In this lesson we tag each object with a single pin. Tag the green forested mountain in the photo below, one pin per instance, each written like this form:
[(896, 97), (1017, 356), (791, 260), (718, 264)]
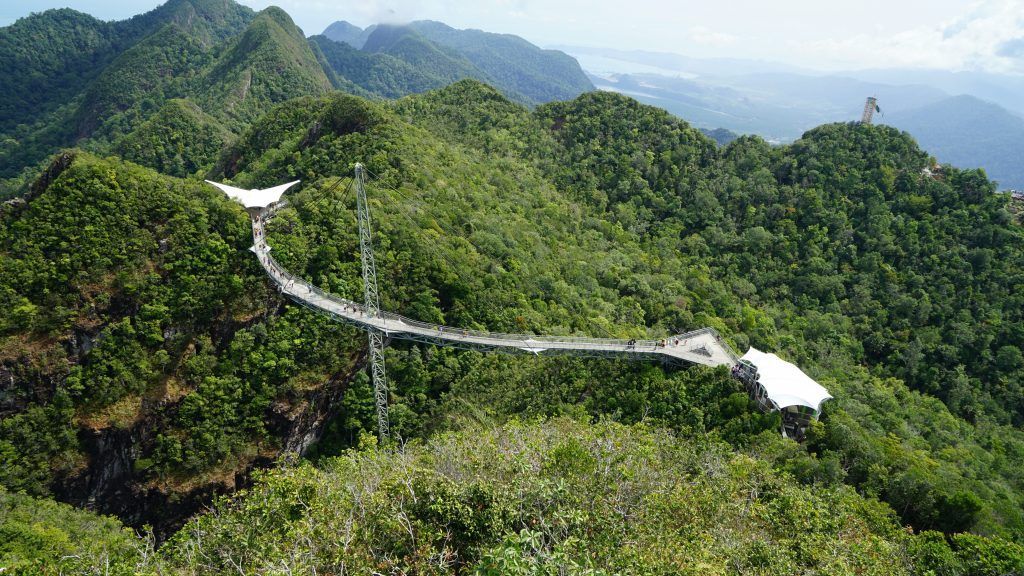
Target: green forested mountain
[(229, 64), (374, 73), (74, 80), (519, 69), (514, 64), (48, 58), (966, 131), (348, 33), (148, 366), (410, 46), (174, 368), (270, 62)]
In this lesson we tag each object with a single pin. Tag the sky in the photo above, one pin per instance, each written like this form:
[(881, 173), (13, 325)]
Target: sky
[(985, 35)]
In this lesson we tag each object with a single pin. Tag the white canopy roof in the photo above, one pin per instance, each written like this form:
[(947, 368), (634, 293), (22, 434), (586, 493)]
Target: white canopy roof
[(786, 384), (255, 198)]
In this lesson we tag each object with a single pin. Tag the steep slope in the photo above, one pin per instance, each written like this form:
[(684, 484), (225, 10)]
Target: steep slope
[(514, 65), (48, 58), (179, 140), (124, 362), (217, 19), (155, 69), (519, 69), (379, 74), (269, 63), (147, 59), (178, 43), (968, 132), (231, 64), (409, 46)]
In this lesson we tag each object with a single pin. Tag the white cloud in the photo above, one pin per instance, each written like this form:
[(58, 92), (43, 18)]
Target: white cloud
[(708, 37), (828, 34), (983, 39)]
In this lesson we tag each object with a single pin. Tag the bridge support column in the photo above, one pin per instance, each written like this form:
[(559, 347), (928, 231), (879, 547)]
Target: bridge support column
[(376, 337), (380, 383)]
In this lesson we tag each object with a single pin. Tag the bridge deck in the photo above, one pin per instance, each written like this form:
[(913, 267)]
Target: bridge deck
[(703, 346)]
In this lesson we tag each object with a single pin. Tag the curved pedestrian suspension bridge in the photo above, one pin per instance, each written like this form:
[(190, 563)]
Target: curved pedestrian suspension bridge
[(704, 346)]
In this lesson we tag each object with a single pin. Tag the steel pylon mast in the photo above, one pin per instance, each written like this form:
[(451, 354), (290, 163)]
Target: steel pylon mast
[(375, 337), (870, 107)]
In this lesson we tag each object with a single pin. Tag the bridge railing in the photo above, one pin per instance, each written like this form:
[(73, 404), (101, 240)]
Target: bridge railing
[(285, 279), (532, 340)]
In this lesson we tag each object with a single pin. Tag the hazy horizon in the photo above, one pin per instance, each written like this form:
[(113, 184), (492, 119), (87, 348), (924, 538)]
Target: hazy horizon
[(952, 35)]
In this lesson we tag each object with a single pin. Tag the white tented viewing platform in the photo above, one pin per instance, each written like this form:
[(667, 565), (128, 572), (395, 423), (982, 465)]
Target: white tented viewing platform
[(779, 385)]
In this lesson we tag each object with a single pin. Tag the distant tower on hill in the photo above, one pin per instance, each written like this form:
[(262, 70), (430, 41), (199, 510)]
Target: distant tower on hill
[(870, 107)]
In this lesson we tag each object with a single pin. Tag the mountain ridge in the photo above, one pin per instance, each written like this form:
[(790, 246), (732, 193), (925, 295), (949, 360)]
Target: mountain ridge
[(520, 69), (213, 389), (230, 62), (148, 368), (967, 131)]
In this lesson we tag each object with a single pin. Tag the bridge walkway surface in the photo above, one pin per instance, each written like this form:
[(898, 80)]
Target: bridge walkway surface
[(704, 346)]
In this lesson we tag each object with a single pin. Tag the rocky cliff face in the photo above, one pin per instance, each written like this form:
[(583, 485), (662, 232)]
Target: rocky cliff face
[(111, 481), (146, 363)]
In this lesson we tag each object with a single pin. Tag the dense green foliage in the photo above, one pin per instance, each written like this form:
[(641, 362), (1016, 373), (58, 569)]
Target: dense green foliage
[(378, 73), (553, 499), (599, 216), (558, 497), (178, 140), (226, 63), (48, 58), (44, 537), (131, 315)]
